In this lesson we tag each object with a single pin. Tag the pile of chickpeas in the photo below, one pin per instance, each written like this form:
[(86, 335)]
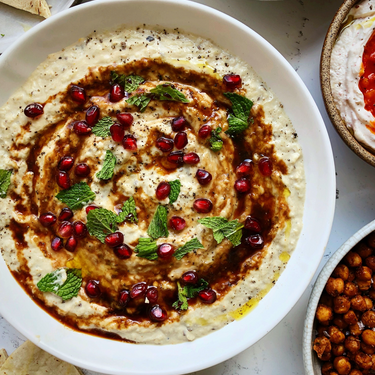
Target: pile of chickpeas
[(345, 315)]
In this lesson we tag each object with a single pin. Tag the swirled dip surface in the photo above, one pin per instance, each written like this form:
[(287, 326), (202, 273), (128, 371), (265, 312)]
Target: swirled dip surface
[(241, 275)]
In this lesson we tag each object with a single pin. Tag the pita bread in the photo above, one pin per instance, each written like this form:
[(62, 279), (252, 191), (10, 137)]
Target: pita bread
[(3, 356), (28, 359), (39, 7)]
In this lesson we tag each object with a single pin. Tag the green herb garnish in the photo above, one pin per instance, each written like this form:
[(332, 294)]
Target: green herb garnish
[(191, 245), (101, 222), (101, 129), (175, 190), (239, 120), (77, 196), (129, 212), (146, 248), (129, 83), (188, 291), (158, 226), (215, 140), (141, 101), (4, 182), (107, 170), (168, 92)]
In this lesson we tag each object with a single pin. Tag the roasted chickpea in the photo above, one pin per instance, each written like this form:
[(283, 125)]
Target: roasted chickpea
[(370, 262), (339, 322), (352, 259), (324, 313), (335, 287), (355, 372), (322, 345), (336, 336), (350, 317), (341, 305), (369, 303), (355, 329), (350, 289), (363, 360), (363, 285), (326, 356), (368, 319), (352, 343), (341, 271), (363, 250), (351, 275), (342, 365), (333, 373), (363, 273), (327, 368), (358, 303), (368, 349), (368, 337), (371, 240), (338, 350)]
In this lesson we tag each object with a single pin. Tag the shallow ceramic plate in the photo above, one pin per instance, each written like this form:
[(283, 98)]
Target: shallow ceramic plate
[(114, 357)]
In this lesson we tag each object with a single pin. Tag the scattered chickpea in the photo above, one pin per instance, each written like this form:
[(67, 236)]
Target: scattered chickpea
[(324, 313), (341, 271), (368, 337), (369, 303), (363, 360), (350, 317), (341, 304), (358, 303), (352, 344), (355, 372), (371, 240), (327, 368), (363, 273), (338, 350), (370, 262), (355, 329), (363, 285), (335, 287), (339, 321), (350, 289), (342, 365), (363, 250), (336, 336), (368, 349), (353, 259), (322, 345)]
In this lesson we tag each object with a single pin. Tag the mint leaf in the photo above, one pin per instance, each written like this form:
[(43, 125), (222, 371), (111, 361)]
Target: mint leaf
[(76, 196), (193, 290), (117, 78), (187, 248), (51, 282), (101, 129), (175, 190), (168, 92), (129, 212), (101, 222), (182, 302), (4, 182), (146, 248), (215, 140), (141, 101), (109, 163), (132, 82), (241, 107), (158, 226)]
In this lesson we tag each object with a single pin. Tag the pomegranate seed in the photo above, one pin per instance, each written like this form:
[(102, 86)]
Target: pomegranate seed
[(78, 94), (63, 180), (124, 297), (65, 214), (202, 205), (191, 158), (242, 185), (82, 170), (57, 243), (176, 157), (123, 251), (93, 289), (232, 81), (164, 144), (129, 142), (47, 219), (255, 241), (71, 244), (163, 190), (180, 140), (204, 131), (253, 225), (177, 223), (190, 277), (152, 294), (80, 229), (138, 290), (33, 110), (92, 115), (245, 168), (91, 207), (179, 124), (114, 239), (66, 163), (117, 132), (81, 128), (125, 119), (116, 94), (157, 314), (203, 177), (65, 229), (265, 166), (207, 296), (165, 251)]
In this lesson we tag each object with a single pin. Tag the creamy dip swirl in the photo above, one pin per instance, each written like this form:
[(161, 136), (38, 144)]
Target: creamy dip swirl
[(240, 276)]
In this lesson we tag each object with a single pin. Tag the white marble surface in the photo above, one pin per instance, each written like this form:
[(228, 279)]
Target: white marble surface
[(297, 29)]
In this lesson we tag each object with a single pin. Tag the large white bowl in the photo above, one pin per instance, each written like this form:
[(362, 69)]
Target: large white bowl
[(114, 357)]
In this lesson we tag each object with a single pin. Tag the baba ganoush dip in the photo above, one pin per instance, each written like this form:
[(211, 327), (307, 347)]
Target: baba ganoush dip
[(152, 186)]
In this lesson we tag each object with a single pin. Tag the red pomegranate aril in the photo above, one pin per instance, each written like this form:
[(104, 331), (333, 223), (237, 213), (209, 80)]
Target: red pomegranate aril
[(117, 132), (138, 290), (92, 115), (65, 229), (242, 185), (202, 205), (66, 163), (124, 297), (176, 157), (179, 124), (65, 214), (191, 158), (82, 170), (163, 190), (78, 94), (125, 119), (81, 128), (177, 223), (207, 296), (152, 294), (71, 244), (164, 144), (232, 81), (33, 110), (91, 207), (203, 177), (63, 180), (123, 251), (116, 94), (180, 140), (114, 239), (165, 251), (204, 131), (265, 166), (57, 243), (129, 142), (253, 225), (190, 277), (255, 241), (80, 229), (93, 289), (245, 168), (157, 314), (47, 219)]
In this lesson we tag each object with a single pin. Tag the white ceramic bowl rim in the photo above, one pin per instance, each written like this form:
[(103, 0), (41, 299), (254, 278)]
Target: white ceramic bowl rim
[(113, 357)]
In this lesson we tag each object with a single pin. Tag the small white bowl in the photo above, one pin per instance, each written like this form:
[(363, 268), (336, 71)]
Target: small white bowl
[(310, 359)]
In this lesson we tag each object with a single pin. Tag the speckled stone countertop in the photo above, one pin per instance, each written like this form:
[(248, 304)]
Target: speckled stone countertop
[(297, 29)]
